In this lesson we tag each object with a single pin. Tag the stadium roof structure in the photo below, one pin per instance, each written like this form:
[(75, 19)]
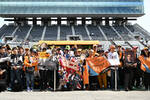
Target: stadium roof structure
[(71, 8)]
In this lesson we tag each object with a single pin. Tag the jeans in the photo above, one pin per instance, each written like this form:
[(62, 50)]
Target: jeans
[(15, 75), (30, 80)]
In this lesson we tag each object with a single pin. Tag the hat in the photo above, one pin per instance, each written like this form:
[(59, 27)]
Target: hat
[(145, 48), (112, 47), (100, 51), (119, 45), (91, 50), (14, 48), (33, 50), (94, 45), (79, 50), (68, 47), (96, 54), (26, 49), (135, 47)]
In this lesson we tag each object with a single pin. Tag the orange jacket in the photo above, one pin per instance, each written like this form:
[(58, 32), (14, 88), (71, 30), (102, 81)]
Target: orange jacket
[(34, 61)]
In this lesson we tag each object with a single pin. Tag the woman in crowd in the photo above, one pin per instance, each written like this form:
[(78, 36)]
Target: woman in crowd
[(30, 63), (129, 64)]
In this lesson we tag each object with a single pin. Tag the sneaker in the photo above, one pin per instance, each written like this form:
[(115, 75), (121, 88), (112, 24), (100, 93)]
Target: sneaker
[(31, 90), (9, 89), (28, 89), (126, 89)]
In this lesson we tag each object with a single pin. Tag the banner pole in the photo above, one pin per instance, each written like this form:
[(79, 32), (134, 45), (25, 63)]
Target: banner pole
[(115, 78), (54, 80)]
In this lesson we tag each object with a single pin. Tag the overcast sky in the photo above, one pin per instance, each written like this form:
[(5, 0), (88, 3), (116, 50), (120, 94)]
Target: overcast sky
[(143, 21)]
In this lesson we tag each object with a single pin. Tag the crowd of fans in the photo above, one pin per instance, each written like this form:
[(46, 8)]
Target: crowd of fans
[(33, 69)]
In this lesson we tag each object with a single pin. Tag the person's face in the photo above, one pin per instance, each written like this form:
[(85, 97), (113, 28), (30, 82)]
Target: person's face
[(27, 52), (101, 54), (33, 54), (119, 48), (112, 50), (78, 52), (0, 50), (90, 53), (21, 51), (95, 48), (66, 51), (129, 57), (3, 50), (9, 51), (146, 51), (15, 51), (135, 50)]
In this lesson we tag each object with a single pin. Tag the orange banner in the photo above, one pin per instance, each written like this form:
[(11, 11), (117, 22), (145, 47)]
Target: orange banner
[(85, 75), (145, 63), (98, 64)]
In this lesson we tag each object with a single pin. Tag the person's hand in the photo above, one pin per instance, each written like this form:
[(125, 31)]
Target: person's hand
[(30, 65), (95, 48), (15, 68), (1, 72), (135, 64)]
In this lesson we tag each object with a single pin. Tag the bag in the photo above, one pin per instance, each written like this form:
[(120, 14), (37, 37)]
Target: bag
[(30, 69)]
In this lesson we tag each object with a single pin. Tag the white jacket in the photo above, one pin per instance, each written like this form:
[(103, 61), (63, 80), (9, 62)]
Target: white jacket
[(113, 58)]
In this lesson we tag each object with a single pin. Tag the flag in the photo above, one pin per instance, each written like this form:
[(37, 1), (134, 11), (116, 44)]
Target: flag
[(95, 66), (85, 74), (70, 65), (98, 64), (145, 64)]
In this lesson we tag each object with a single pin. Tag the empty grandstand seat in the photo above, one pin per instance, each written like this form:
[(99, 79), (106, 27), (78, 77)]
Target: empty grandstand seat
[(80, 30), (95, 33), (64, 31), (137, 31), (7, 30), (22, 32), (36, 33), (123, 32), (110, 33), (51, 33)]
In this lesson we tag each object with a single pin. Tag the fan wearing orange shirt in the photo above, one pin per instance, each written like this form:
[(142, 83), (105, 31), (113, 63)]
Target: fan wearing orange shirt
[(30, 63)]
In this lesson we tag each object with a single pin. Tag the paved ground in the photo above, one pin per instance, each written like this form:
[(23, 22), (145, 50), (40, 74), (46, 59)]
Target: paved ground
[(77, 95)]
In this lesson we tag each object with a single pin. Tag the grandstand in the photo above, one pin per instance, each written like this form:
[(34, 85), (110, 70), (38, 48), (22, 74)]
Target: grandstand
[(107, 21)]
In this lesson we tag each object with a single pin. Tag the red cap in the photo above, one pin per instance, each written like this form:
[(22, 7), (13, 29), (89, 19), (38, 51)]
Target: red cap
[(135, 47), (112, 47)]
